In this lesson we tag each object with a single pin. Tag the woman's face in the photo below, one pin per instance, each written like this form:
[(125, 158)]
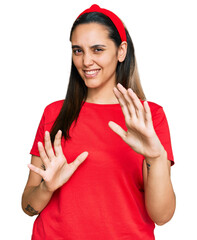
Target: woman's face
[(94, 55)]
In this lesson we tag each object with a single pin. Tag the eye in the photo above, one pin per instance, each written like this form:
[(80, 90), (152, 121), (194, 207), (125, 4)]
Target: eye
[(98, 49), (77, 51)]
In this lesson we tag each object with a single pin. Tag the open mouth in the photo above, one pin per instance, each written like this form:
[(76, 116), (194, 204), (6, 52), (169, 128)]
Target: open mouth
[(91, 73)]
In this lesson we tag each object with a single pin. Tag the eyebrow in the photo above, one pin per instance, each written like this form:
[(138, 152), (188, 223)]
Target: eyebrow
[(94, 46)]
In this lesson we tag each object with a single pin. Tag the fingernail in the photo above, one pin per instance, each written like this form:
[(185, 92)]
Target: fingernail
[(130, 91), (29, 165), (47, 134)]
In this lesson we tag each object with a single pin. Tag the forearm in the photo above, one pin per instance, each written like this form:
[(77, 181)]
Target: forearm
[(159, 194), (35, 199)]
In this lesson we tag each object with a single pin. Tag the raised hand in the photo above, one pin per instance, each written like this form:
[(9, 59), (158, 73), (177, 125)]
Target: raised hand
[(140, 135), (57, 171)]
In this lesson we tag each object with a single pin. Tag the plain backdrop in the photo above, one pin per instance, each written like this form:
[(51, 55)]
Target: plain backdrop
[(35, 59)]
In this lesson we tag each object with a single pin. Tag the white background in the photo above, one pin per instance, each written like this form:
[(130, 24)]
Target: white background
[(34, 69)]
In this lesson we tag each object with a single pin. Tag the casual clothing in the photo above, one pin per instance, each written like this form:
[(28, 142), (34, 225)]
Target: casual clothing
[(104, 198)]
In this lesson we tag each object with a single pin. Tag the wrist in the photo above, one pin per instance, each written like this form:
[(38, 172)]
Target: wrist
[(45, 189), (160, 156), (158, 163)]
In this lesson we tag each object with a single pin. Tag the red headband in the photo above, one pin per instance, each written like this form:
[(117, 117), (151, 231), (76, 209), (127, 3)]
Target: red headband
[(115, 19)]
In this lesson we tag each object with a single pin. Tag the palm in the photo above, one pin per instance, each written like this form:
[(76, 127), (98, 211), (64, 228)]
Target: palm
[(57, 170), (57, 173), (140, 135)]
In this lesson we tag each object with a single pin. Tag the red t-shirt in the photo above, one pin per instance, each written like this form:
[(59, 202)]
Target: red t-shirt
[(104, 198)]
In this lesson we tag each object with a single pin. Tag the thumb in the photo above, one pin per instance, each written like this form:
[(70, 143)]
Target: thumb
[(117, 129), (79, 159)]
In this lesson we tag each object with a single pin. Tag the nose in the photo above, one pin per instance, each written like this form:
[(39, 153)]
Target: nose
[(87, 59)]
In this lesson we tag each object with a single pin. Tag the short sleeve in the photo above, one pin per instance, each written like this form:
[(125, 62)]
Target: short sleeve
[(39, 136), (161, 127), (48, 118)]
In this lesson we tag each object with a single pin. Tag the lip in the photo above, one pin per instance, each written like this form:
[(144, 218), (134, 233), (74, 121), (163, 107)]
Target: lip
[(91, 73)]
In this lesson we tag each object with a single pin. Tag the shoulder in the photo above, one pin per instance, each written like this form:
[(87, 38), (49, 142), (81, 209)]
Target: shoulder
[(158, 115), (154, 107), (157, 112), (54, 105), (53, 109)]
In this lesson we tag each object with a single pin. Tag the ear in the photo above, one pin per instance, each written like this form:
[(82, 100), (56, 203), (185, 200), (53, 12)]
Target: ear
[(122, 51)]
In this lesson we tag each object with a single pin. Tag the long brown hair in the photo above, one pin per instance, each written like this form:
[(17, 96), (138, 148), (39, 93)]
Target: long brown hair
[(126, 74)]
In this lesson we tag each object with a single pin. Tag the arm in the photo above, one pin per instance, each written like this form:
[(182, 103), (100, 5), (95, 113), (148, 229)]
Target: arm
[(35, 196), (56, 172), (142, 138), (159, 195)]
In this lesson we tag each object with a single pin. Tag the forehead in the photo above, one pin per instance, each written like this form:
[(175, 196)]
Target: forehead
[(90, 33)]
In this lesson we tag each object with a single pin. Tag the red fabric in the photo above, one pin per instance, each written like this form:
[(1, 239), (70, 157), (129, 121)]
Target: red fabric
[(104, 198), (115, 19)]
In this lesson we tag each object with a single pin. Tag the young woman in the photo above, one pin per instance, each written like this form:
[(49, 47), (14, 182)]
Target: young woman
[(101, 158)]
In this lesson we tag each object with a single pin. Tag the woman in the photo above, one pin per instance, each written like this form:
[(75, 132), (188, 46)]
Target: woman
[(118, 144)]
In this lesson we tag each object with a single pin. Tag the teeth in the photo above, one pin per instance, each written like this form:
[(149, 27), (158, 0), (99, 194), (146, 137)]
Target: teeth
[(91, 72)]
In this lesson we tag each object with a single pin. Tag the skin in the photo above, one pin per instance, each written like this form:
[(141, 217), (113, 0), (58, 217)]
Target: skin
[(93, 50), (56, 172), (95, 57), (159, 195)]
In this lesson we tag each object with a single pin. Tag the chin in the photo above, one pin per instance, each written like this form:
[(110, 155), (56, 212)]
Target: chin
[(92, 83)]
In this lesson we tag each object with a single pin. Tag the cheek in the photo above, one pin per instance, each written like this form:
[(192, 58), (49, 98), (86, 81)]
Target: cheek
[(77, 62), (110, 63), (106, 60)]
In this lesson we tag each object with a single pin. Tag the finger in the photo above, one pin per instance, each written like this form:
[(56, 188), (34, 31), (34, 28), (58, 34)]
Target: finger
[(48, 145), (36, 170), (122, 104), (127, 99), (137, 104), (43, 155), (57, 143), (148, 116), (79, 160), (117, 129)]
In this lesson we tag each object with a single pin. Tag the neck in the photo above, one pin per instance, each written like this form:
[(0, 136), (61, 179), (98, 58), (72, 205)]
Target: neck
[(101, 96)]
